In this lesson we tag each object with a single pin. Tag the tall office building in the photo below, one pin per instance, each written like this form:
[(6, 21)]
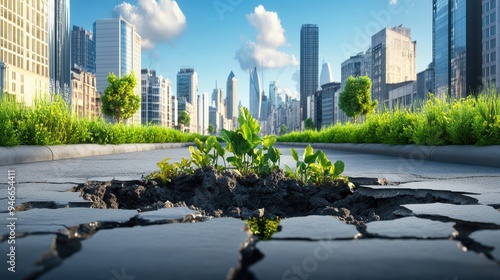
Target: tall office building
[(393, 61), (456, 33), (232, 97), (187, 92), (59, 48), (118, 51), (491, 47), (82, 49), (203, 113), (309, 50), (24, 50), (255, 94), (156, 99)]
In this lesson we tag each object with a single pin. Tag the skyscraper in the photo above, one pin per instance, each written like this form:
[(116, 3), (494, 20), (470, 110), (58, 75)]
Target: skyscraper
[(326, 74), (59, 47), (456, 33), (231, 97), (309, 49), (156, 99), (187, 92), (82, 49), (393, 61), (24, 69), (118, 51), (255, 94)]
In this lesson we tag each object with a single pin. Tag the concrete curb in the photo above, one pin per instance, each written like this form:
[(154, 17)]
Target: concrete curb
[(471, 155), (26, 154)]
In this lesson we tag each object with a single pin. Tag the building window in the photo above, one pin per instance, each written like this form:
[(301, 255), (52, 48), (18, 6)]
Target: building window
[(493, 70), (493, 4), (493, 43), (493, 56), (493, 30), (493, 17)]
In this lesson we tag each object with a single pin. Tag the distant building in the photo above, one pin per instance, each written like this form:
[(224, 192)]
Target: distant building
[(356, 66), (59, 38), (393, 61), (425, 83), (187, 91), (328, 104), (326, 75), (203, 113), (82, 49), (85, 100), (255, 94), (184, 105), (175, 111), (156, 99), (309, 51), (456, 33), (118, 51), (232, 97), (402, 95), (24, 64), (264, 111)]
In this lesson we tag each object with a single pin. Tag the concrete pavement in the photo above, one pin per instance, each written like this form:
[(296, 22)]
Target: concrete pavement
[(448, 226), (472, 155)]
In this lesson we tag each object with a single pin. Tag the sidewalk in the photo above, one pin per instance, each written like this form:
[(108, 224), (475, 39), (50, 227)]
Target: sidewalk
[(471, 155)]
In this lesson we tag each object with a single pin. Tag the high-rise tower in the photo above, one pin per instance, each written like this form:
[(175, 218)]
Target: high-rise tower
[(82, 49), (59, 47), (255, 94), (118, 51), (309, 49), (231, 97), (456, 33)]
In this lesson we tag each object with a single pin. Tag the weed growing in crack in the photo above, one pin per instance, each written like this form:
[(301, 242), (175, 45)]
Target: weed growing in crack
[(252, 154)]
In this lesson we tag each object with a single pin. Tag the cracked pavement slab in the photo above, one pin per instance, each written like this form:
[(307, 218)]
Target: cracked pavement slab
[(180, 250)]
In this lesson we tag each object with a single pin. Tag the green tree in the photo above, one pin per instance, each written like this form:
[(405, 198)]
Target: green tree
[(119, 100), (184, 119), (211, 129), (309, 124), (355, 99), (283, 129)]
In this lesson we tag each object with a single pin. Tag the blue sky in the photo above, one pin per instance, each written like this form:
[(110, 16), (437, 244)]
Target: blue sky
[(219, 36)]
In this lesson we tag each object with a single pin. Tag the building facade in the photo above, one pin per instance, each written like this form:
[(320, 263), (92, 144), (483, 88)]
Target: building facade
[(85, 100), (203, 113), (490, 46), (309, 60), (456, 51), (24, 51), (356, 66), (156, 99), (187, 92), (393, 61), (328, 104), (59, 47), (255, 94), (82, 49), (118, 51), (232, 97)]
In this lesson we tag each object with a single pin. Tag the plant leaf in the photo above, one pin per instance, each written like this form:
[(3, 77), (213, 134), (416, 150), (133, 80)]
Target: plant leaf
[(339, 168), (295, 155)]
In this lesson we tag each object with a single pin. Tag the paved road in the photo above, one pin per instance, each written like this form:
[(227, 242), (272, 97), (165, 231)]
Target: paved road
[(288, 259)]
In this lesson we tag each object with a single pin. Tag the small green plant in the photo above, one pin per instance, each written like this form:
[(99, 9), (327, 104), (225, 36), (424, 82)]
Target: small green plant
[(169, 171), (251, 153), (316, 168), (262, 227), (207, 153)]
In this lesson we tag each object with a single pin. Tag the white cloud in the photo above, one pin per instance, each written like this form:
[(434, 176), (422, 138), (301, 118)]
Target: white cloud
[(156, 21), (270, 32), (270, 36), (393, 2)]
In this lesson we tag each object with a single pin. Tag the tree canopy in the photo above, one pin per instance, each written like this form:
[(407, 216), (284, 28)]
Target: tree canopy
[(184, 118), (119, 100), (355, 99), (283, 129), (309, 124)]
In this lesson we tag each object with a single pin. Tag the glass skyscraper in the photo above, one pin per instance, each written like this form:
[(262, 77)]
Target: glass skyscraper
[(309, 64), (456, 47), (59, 48), (118, 51), (232, 97), (82, 49), (255, 94)]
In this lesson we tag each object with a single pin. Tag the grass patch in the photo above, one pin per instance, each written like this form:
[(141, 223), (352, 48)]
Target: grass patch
[(51, 123), (438, 121)]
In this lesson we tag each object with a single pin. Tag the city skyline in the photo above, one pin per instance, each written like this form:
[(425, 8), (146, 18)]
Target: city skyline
[(217, 37)]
